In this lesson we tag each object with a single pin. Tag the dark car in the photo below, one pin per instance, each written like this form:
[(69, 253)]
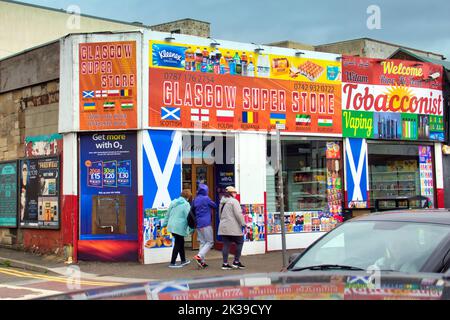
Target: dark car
[(409, 241)]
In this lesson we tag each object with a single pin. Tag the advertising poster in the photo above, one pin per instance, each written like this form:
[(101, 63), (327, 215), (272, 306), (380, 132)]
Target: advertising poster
[(302, 221), (392, 99), (108, 186), (48, 145), (254, 229), (155, 236), (426, 174), (39, 193), (8, 194), (231, 89), (334, 182), (108, 85)]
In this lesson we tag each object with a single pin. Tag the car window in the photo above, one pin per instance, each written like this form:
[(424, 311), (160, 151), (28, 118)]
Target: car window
[(397, 246)]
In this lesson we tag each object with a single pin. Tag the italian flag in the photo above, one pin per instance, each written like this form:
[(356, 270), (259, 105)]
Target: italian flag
[(303, 119), (325, 121)]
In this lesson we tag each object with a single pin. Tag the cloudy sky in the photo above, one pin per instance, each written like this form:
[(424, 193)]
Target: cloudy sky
[(423, 25)]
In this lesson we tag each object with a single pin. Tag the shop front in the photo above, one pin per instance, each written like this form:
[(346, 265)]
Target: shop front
[(393, 124)]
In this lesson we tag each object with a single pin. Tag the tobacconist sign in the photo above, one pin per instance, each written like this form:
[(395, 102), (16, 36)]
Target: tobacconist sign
[(392, 99)]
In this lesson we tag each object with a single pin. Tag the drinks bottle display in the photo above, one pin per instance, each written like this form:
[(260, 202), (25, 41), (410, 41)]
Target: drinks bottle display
[(224, 69), (211, 62), (263, 66), (198, 60), (251, 67), (231, 63), (205, 59), (189, 60), (237, 61), (244, 64), (217, 62)]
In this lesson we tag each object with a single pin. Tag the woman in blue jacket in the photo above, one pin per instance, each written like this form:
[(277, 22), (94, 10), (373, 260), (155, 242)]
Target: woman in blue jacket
[(202, 205), (176, 222)]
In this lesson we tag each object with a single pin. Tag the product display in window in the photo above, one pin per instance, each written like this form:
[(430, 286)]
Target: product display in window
[(312, 176)]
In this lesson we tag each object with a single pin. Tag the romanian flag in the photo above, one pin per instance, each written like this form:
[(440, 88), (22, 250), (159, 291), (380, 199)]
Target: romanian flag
[(89, 106), (277, 118), (249, 117), (126, 93)]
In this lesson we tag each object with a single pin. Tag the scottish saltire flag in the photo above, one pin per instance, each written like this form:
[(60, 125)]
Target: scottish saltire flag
[(88, 94), (170, 113), (277, 118)]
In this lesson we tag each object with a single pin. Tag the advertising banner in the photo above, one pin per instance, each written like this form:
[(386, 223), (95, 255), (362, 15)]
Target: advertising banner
[(8, 194), (39, 193), (230, 89), (392, 99), (426, 174), (357, 173), (162, 184), (108, 186), (108, 85)]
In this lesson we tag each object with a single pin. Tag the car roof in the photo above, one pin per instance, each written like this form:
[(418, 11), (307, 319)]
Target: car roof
[(437, 216)]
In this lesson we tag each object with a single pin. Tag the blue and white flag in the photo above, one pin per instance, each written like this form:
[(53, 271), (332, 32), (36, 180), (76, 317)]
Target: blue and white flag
[(88, 94), (170, 113)]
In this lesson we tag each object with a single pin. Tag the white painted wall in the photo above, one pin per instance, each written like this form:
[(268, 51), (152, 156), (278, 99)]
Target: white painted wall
[(293, 240), (251, 176)]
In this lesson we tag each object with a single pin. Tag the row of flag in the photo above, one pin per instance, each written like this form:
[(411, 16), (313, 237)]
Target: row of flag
[(90, 94), (92, 106), (248, 117)]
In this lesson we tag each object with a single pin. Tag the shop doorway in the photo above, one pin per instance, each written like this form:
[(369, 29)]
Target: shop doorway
[(208, 158), (193, 175)]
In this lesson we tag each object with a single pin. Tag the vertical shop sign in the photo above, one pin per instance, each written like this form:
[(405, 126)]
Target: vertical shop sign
[(108, 185), (8, 194), (334, 180), (356, 173), (39, 193), (108, 85), (426, 174)]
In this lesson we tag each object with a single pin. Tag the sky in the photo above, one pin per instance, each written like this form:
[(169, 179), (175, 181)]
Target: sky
[(423, 25)]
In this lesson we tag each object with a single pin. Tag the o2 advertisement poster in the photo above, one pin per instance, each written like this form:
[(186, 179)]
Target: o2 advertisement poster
[(108, 186), (39, 193)]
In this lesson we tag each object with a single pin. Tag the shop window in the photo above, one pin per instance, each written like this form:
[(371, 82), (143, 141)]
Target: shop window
[(399, 177), (312, 180)]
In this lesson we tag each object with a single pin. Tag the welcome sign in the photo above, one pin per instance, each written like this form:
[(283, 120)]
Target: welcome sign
[(392, 99)]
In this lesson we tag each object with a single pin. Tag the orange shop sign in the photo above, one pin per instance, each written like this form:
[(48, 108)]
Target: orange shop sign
[(108, 85), (181, 99)]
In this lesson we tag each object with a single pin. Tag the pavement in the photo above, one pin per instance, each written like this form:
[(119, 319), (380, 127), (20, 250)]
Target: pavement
[(129, 272)]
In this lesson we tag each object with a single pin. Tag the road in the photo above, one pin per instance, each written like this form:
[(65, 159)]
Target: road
[(17, 284)]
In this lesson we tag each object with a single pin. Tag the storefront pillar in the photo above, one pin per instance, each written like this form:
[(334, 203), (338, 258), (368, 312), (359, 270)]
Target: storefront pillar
[(439, 175), (251, 183), (70, 187)]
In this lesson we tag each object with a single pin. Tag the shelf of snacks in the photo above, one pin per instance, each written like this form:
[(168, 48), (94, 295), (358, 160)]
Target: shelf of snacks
[(301, 222)]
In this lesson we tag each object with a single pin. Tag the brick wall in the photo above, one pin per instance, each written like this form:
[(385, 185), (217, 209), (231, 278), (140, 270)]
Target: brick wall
[(185, 26)]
